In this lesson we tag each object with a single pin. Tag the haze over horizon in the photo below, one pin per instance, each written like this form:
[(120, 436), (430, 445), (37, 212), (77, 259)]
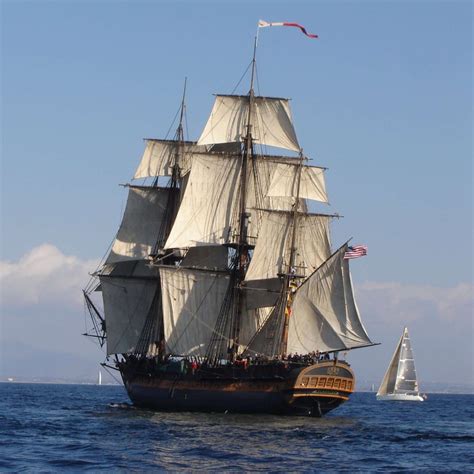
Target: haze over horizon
[(383, 99)]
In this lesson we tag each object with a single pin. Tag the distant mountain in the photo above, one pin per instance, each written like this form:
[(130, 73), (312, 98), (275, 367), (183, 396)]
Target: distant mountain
[(22, 362)]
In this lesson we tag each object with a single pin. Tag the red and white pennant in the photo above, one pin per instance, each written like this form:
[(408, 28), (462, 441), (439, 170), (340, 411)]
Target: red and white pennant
[(265, 24)]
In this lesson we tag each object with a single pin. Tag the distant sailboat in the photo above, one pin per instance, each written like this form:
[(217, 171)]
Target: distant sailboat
[(99, 378), (399, 382)]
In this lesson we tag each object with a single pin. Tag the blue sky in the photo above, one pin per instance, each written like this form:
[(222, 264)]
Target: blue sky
[(383, 99)]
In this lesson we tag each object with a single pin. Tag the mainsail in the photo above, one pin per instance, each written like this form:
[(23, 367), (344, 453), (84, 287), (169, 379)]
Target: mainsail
[(400, 377), (191, 303)]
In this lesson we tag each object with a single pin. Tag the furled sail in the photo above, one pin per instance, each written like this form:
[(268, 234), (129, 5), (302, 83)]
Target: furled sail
[(160, 156), (128, 290), (271, 121), (211, 257), (324, 315), (141, 223), (400, 376), (192, 300), (272, 252)]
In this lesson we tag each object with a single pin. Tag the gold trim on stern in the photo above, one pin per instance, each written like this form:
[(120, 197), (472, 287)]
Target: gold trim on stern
[(330, 379)]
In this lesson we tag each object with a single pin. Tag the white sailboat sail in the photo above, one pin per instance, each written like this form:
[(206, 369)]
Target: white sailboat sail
[(400, 382)]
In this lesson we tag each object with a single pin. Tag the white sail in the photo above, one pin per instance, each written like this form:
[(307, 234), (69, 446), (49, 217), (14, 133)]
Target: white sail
[(400, 382), (192, 300), (271, 121), (267, 341), (272, 252), (139, 230), (160, 156), (127, 302), (324, 317), (208, 214), (390, 377), (206, 211), (285, 182), (252, 321)]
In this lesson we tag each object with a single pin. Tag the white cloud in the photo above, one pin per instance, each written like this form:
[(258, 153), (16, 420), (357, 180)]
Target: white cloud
[(393, 300), (47, 276), (440, 322), (44, 276)]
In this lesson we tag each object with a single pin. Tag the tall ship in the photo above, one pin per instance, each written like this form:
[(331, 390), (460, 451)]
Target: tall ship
[(400, 382), (221, 291)]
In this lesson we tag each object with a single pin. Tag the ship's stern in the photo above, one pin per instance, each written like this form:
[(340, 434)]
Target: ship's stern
[(320, 388)]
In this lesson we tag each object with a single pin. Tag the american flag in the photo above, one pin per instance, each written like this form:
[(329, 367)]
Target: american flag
[(355, 251)]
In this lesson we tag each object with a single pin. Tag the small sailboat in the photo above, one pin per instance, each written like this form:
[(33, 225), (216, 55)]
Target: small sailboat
[(99, 378), (399, 382)]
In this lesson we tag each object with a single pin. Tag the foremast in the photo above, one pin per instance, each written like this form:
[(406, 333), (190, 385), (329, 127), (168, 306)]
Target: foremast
[(242, 255), (148, 217), (174, 184)]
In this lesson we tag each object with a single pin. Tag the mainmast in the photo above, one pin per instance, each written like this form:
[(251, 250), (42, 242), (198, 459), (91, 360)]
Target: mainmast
[(242, 257)]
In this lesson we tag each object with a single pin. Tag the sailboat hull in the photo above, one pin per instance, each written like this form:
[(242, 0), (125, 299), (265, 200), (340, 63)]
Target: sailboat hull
[(309, 391), (400, 397)]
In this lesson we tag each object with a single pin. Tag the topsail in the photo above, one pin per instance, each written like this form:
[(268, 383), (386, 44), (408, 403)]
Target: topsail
[(160, 156), (141, 223), (271, 121)]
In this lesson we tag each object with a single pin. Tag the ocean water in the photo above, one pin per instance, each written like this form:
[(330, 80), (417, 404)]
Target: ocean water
[(50, 428)]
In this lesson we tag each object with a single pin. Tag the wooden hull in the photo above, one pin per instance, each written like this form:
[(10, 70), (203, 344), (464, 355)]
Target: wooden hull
[(310, 391)]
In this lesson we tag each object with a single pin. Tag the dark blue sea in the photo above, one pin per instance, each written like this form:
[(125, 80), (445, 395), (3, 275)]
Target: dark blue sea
[(49, 428)]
